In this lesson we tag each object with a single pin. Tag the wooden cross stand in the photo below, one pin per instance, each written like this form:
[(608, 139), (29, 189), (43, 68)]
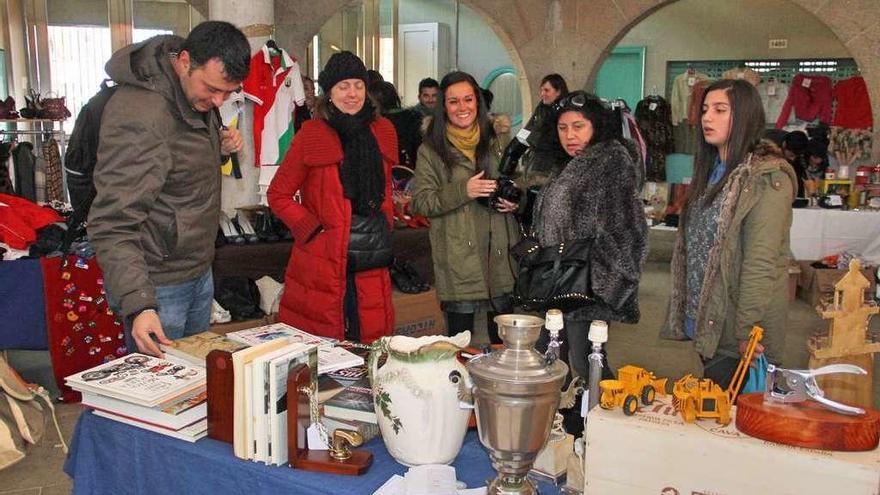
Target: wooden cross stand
[(298, 421)]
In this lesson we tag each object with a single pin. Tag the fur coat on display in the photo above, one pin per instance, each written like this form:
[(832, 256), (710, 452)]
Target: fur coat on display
[(597, 196)]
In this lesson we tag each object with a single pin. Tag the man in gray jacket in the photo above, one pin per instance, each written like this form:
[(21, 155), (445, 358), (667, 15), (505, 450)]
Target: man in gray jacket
[(156, 213)]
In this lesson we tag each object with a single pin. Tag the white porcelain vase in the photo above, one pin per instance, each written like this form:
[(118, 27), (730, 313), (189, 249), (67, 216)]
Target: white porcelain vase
[(415, 394)]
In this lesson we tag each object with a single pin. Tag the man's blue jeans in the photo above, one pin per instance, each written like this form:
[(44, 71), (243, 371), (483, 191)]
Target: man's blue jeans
[(184, 309)]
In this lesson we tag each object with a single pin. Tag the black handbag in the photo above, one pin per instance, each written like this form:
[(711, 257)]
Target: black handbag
[(553, 276), (369, 244)]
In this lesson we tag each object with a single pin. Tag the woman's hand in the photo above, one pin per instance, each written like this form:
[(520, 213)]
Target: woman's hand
[(505, 206), (477, 187)]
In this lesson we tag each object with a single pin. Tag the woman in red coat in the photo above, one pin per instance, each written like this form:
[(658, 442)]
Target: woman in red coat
[(337, 284)]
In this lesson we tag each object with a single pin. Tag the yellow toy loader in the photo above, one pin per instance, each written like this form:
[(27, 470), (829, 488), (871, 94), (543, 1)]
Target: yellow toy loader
[(698, 398), (633, 383)]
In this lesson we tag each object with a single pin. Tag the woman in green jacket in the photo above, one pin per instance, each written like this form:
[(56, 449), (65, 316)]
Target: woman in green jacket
[(730, 261), (469, 239)]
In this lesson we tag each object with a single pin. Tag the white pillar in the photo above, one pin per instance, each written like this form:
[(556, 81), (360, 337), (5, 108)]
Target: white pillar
[(244, 14)]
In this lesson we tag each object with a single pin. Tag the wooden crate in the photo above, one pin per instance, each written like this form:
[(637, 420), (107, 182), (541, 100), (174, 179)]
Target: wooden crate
[(654, 451)]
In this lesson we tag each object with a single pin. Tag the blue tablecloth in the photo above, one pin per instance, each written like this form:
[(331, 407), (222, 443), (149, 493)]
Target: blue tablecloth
[(114, 458), (22, 305)]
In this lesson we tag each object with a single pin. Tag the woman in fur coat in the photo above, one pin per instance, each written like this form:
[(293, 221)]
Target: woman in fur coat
[(596, 195), (731, 256)]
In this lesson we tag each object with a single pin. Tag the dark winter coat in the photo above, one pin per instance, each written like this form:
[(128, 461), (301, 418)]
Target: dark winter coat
[(747, 272), (315, 280), (597, 196), (157, 208)]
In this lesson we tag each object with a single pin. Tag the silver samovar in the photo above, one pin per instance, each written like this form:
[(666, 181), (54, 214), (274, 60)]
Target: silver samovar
[(516, 393)]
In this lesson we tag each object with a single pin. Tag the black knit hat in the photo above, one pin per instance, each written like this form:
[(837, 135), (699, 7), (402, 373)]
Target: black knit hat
[(341, 66)]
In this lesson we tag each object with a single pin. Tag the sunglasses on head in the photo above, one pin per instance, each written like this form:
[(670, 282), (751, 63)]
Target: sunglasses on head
[(576, 99)]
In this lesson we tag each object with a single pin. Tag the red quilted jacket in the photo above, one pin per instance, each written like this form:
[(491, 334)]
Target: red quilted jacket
[(314, 284), (20, 220)]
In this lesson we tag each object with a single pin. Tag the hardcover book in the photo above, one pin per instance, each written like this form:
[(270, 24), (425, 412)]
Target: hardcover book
[(279, 369), (240, 399), (259, 335), (354, 402), (183, 413), (330, 358), (195, 348), (190, 433), (367, 430), (140, 379)]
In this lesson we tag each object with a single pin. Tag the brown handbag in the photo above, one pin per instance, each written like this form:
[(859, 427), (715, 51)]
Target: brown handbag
[(55, 108)]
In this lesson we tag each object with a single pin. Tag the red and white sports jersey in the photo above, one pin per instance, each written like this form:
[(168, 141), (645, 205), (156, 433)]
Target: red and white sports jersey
[(275, 86)]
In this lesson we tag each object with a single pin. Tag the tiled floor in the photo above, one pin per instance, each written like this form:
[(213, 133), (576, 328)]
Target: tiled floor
[(40, 473)]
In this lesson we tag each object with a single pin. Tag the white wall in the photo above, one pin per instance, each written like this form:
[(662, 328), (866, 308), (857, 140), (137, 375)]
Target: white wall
[(479, 49), (723, 30)]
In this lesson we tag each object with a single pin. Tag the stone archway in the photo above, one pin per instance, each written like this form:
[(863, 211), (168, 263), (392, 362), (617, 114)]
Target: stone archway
[(589, 29)]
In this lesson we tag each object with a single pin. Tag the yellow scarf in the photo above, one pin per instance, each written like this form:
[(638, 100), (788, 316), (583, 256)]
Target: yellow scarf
[(465, 140)]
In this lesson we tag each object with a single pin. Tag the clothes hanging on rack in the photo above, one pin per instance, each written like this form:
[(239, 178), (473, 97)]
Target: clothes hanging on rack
[(274, 84), (810, 97), (25, 164), (742, 73), (695, 107), (773, 95), (853, 109), (630, 131), (54, 177), (681, 93), (654, 118), (5, 177)]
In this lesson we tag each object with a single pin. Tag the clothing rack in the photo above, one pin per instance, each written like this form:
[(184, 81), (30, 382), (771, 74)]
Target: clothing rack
[(59, 134)]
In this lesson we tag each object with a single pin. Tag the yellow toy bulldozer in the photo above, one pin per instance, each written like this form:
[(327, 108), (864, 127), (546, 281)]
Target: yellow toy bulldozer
[(633, 383), (702, 398)]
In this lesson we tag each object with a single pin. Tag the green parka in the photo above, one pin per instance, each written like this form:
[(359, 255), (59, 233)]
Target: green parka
[(747, 271), (469, 242)]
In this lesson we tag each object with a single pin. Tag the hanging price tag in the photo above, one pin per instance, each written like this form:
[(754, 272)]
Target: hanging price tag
[(652, 106), (317, 438), (740, 75), (692, 80), (771, 90), (806, 82)]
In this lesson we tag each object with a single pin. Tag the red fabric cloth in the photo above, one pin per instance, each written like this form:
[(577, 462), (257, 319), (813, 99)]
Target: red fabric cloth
[(20, 220), (315, 279), (83, 331), (695, 107), (807, 102), (853, 104)]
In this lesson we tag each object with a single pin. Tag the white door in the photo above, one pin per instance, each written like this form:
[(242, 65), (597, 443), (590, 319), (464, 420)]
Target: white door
[(417, 59)]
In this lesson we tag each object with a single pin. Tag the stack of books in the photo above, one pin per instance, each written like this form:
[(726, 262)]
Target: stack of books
[(167, 396), (260, 420), (346, 396)]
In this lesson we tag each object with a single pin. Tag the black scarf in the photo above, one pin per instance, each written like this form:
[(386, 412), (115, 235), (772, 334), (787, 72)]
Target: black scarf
[(361, 173)]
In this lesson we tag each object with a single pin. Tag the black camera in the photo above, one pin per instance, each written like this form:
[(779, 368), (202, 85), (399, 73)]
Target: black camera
[(505, 187)]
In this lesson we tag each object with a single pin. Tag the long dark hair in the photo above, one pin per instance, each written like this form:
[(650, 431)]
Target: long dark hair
[(435, 136), (746, 129), (557, 82)]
